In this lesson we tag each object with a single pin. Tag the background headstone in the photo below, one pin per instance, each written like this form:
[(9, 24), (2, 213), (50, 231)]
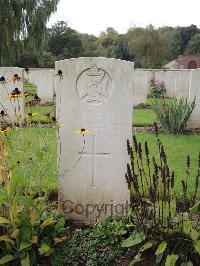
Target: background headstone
[(183, 79), (170, 83), (160, 75), (194, 120), (44, 80), (13, 108), (95, 94), (141, 83)]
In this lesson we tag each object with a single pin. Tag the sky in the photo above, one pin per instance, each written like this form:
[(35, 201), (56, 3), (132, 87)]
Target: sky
[(95, 16)]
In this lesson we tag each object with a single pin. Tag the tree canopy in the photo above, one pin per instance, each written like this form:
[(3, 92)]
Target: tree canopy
[(25, 41), (23, 25)]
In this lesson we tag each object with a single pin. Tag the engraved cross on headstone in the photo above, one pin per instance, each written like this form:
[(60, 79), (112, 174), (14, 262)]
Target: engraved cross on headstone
[(94, 154)]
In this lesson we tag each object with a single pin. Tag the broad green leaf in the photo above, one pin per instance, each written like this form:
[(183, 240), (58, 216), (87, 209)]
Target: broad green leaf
[(25, 230), (188, 230), (24, 245), (194, 234), (25, 261), (60, 223), (146, 246), (195, 208), (60, 239), (47, 222), (171, 260), (136, 259), (34, 215), (15, 233), (4, 221), (6, 239), (197, 246), (159, 258), (189, 263), (6, 259), (161, 248), (133, 240), (45, 249)]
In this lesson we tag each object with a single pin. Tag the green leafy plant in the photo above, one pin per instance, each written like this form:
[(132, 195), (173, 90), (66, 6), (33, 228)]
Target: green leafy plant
[(28, 230), (30, 225), (86, 246), (158, 228), (157, 89), (173, 116), (110, 230)]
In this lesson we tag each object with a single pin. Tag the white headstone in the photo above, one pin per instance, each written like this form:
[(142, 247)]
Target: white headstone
[(194, 121), (14, 108), (160, 75), (44, 80), (170, 83), (141, 83), (95, 94), (183, 79)]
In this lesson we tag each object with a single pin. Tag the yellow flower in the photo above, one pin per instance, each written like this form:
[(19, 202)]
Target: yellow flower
[(58, 126), (30, 115), (17, 95), (83, 131), (5, 130), (16, 78)]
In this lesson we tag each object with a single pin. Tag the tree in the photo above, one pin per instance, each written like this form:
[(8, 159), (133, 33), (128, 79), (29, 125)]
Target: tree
[(106, 42), (23, 26), (148, 46), (121, 49), (89, 45), (64, 42), (27, 59), (193, 46), (181, 38)]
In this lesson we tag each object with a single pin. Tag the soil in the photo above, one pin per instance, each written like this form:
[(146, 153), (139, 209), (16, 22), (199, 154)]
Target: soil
[(150, 129)]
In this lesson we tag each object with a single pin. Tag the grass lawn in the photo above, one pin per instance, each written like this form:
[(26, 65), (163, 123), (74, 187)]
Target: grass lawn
[(143, 117), (29, 143), (30, 88), (146, 116), (32, 140), (33, 154), (40, 110), (149, 100), (177, 148)]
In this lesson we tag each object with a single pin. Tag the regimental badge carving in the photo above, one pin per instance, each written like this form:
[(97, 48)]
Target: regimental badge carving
[(94, 85)]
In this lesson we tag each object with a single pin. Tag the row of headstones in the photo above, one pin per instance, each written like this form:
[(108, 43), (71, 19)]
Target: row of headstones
[(12, 78), (94, 100), (179, 83), (94, 110)]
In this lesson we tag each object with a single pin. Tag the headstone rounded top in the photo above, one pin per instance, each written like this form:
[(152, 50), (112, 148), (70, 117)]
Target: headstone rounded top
[(94, 85)]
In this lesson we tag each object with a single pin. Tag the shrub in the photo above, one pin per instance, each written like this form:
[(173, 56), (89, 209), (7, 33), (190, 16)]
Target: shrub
[(100, 245), (28, 229), (174, 115), (159, 230), (157, 89), (30, 226)]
